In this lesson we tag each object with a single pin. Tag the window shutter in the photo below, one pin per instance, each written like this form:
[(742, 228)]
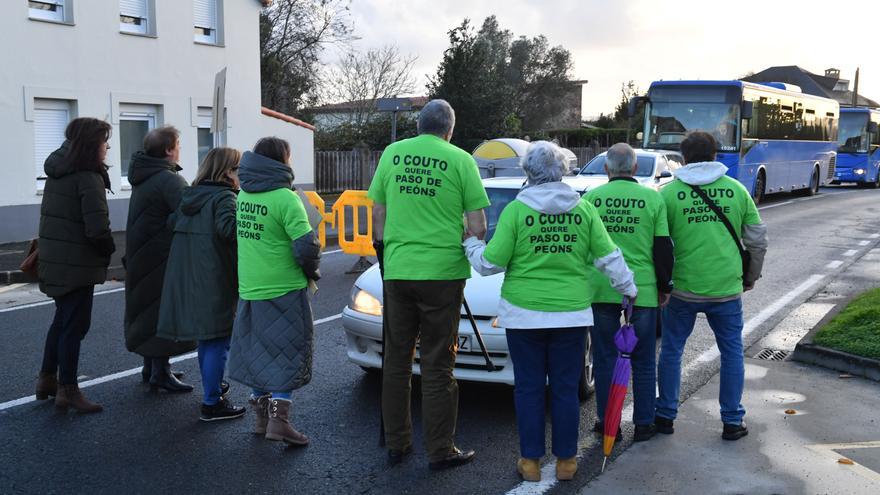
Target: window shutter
[(204, 115), (205, 14), (133, 8), (49, 125)]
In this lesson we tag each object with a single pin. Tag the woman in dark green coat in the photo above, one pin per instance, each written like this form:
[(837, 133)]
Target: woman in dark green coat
[(201, 283), (75, 248)]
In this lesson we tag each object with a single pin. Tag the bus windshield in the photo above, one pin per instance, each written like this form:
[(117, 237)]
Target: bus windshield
[(852, 134), (676, 110), (597, 166)]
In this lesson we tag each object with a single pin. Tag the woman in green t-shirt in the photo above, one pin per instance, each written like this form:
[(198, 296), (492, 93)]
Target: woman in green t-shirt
[(278, 254), (544, 242)]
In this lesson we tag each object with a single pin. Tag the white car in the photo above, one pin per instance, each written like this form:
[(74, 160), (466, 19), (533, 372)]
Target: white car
[(362, 318), (655, 169)]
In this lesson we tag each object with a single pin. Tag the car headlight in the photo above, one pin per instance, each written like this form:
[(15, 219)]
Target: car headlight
[(859, 171), (363, 302)]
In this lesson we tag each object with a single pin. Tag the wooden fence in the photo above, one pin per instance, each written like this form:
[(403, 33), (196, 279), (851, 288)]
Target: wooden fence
[(337, 171)]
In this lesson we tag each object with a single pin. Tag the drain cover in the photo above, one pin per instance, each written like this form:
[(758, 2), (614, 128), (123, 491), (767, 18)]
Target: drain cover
[(772, 355)]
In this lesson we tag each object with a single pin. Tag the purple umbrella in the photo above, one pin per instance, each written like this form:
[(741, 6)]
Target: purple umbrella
[(625, 340)]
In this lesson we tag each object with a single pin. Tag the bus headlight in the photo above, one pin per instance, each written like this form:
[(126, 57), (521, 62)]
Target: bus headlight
[(363, 302), (859, 171)]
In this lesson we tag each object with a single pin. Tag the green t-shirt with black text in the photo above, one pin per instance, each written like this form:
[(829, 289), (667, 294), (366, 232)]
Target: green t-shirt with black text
[(633, 215), (707, 261), (268, 223), (546, 256), (426, 184)]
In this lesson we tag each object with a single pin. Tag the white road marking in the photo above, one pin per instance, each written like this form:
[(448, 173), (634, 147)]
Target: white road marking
[(850, 252), (11, 287), (775, 205), (50, 301), (834, 264), (864, 243), (874, 236), (332, 252), (548, 472), (129, 372), (829, 451)]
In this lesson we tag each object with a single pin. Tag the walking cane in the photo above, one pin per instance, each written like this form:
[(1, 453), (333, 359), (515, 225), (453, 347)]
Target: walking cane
[(490, 366)]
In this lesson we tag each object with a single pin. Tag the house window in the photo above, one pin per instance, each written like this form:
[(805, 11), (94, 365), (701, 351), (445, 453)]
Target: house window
[(206, 137), (135, 121), (50, 120), (47, 10), (134, 16), (205, 21)]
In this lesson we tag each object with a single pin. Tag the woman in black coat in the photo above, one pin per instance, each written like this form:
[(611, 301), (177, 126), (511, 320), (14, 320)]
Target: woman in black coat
[(156, 191), (201, 282), (74, 248)]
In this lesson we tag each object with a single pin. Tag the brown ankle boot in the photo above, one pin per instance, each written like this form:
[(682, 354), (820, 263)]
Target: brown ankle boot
[(47, 385), (261, 408), (70, 396), (279, 427)]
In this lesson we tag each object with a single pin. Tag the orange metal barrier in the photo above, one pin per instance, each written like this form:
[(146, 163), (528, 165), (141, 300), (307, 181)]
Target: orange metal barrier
[(326, 217)]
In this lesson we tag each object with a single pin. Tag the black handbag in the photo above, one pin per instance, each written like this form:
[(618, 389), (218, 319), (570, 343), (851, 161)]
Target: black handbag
[(743, 252)]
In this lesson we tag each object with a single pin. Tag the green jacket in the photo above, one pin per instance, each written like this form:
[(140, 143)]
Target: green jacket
[(201, 284), (75, 242)]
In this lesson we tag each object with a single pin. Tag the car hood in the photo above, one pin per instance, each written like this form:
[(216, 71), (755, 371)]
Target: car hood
[(585, 183), (482, 293)]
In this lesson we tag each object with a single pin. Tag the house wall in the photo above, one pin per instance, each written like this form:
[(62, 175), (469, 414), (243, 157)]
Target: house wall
[(98, 68)]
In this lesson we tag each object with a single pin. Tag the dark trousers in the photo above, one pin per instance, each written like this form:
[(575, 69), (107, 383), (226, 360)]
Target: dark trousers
[(543, 356), (427, 311), (73, 316)]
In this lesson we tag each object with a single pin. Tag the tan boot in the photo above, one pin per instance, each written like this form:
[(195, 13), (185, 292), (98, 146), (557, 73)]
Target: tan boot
[(47, 386), (529, 469), (279, 428), (565, 468), (260, 406), (70, 396)]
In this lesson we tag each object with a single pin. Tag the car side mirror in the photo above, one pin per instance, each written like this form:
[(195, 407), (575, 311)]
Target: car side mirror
[(872, 127), (633, 105), (747, 110), (640, 135), (575, 171), (664, 174)]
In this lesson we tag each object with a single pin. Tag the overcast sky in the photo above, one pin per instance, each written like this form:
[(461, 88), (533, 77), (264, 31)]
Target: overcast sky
[(645, 40)]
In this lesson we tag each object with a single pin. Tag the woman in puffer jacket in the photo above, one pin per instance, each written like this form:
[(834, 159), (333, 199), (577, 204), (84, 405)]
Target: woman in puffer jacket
[(74, 248), (200, 290), (278, 255)]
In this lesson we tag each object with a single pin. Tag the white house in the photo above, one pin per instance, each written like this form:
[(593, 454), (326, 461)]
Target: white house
[(138, 64)]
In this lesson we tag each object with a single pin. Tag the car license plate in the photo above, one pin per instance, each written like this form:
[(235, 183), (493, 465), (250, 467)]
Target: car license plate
[(464, 343)]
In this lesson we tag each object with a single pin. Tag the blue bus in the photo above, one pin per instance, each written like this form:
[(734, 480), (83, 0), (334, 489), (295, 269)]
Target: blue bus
[(772, 137), (858, 154)]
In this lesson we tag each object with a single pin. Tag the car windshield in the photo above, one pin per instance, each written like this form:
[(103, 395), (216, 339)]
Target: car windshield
[(676, 111), (597, 166), (852, 134), (498, 199)]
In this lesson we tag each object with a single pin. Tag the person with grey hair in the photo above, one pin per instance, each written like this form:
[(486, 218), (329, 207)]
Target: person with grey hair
[(545, 242), (635, 218), (422, 188)]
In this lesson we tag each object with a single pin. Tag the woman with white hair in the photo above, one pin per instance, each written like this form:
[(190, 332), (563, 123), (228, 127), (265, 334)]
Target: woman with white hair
[(545, 241)]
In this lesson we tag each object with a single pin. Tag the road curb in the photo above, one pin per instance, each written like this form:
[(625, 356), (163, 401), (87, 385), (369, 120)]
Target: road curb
[(809, 353)]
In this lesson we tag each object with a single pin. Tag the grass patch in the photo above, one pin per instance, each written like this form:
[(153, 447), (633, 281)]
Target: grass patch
[(856, 329)]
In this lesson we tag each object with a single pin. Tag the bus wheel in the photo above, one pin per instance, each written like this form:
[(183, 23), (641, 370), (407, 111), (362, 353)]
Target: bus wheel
[(813, 189), (876, 183), (760, 184), (587, 383)]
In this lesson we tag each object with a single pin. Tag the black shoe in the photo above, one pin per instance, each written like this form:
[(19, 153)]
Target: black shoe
[(599, 428), (664, 425), (455, 459), (644, 433), (146, 372), (163, 378), (734, 432), (395, 456), (221, 410)]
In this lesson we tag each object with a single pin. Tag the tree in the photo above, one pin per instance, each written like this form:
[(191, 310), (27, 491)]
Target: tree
[(293, 33), (621, 113), (362, 78), (499, 85)]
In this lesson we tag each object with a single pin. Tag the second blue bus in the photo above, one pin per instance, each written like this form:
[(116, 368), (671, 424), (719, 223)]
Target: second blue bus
[(858, 155)]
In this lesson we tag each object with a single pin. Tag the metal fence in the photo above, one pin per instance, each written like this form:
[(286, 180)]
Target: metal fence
[(337, 171)]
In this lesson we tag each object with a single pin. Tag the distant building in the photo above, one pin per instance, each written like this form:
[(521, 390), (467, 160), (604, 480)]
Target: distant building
[(829, 86), (138, 64), (570, 117), (333, 115)]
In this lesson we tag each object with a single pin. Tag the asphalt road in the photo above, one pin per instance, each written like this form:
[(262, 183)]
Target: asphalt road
[(153, 443)]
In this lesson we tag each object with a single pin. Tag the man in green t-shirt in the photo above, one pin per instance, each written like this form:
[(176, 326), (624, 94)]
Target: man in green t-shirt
[(709, 276), (422, 189), (635, 217)]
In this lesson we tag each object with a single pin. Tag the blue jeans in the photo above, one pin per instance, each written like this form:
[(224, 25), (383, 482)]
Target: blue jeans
[(541, 355), (212, 364), (726, 321), (607, 318)]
